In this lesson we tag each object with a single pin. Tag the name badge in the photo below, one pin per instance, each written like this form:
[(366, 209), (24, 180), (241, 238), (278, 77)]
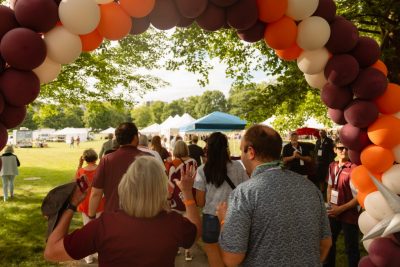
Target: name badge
[(301, 163), (334, 197), (319, 152)]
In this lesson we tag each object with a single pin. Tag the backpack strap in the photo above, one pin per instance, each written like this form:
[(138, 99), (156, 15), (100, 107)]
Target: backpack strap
[(229, 181)]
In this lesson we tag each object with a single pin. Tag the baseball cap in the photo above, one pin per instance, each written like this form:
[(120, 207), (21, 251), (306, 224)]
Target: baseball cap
[(55, 203)]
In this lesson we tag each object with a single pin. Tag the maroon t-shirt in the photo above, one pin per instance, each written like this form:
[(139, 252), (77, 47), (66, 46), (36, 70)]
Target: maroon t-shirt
[(122, 240), (110, 171)]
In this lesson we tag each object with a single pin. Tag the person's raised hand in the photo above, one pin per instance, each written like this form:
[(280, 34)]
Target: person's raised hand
[(188, 173), (78, 196)]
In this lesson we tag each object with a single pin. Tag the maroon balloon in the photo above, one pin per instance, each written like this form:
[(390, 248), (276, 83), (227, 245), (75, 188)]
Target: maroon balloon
[(224, 3), (191, 8), (12, 116), (38, 15), (361, 113), (366, 261), (336, 97), (341, 70), (242, 15), (254, 34), (19, 88), (337, 116), (367, 51), (354, 138), (344, 36), (212, 19), (2, 103), (354, 156), (370, 84), (2, 64), (165, 15), (23, 49), (396, 238), (139, 25), (384, 252), (184, 22), (7, 20), (326, 9), (3, 138)]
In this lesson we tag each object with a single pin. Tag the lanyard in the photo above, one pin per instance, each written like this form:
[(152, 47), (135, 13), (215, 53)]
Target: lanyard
[(338, 171)]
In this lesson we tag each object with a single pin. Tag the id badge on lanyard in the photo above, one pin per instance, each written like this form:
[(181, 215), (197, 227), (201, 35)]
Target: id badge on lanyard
[(335, 192)]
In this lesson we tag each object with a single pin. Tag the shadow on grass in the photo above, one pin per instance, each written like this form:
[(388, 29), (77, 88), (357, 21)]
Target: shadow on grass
[(22, 226)]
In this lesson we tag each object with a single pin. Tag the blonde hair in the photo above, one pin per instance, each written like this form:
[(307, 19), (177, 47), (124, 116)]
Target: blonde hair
[(143, 189), (9, 149), (180, 149)]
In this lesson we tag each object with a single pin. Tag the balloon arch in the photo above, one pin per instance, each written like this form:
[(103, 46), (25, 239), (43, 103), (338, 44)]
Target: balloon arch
[(38, 36)]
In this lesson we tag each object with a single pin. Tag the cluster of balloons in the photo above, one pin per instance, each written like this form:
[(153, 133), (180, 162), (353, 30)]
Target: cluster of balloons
[(38, 36)]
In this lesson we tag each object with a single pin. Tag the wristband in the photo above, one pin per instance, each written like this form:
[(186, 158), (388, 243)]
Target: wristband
[(71, 206), (222, 222), (189, 202)]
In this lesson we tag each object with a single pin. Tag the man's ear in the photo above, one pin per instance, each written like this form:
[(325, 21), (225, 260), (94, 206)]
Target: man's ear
[(252, 153)]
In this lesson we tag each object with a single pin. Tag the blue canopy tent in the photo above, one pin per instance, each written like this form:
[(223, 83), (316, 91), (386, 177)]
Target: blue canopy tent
[(216, 121)]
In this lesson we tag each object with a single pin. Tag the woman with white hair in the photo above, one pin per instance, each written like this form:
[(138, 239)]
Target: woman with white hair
[(144, 232), (9, 169)]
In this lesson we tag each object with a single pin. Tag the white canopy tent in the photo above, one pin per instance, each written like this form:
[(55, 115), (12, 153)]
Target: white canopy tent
[(152, 129), (108, 131), (69, 133)]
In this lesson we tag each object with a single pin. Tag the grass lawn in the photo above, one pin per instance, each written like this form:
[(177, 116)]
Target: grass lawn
[(22, 226)]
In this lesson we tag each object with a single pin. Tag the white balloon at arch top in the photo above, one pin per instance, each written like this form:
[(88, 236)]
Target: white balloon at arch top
[(314, 61), (376, 206), (79, 16), (301, 9), (317, 80), (63, 46), (313, 33), (48, 71), (391, 179), (366, 222), (103, 1)]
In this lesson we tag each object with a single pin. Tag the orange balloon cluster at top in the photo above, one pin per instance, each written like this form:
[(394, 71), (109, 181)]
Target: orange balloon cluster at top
[(115, 22)]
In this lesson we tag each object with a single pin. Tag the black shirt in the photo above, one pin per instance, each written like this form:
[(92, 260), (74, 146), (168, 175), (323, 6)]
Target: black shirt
[(326, 147), (294, 165)]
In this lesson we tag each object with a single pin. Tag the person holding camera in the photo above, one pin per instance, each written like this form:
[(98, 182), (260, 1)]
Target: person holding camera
[(90, 157)]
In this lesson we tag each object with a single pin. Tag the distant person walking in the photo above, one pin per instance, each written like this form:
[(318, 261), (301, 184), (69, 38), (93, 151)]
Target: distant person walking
[(71, 142), (157, 146), (195, 151), (110, 144), (9, 169), (78, 141)]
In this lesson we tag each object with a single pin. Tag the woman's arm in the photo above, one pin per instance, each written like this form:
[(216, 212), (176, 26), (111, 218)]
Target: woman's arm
[(200, 198)]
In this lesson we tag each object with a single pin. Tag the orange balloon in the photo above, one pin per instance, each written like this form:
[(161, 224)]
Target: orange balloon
[(281, 34), (91, 41), (114, 23), (271, 10), (377, 159), (361, 197), (290, 53), (379, 65), (137, 8), (389, 102), (361, 180), (385, 131)]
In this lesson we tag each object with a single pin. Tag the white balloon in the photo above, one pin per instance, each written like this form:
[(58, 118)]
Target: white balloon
[(103, 1), (376, 206), (391, 177), (316, 80), (301, 9), (79, 16), (366, 222), (396, 153), (48, 71), (367, 243), (397, 115), (313, 33), (63, 46), (313, 62)]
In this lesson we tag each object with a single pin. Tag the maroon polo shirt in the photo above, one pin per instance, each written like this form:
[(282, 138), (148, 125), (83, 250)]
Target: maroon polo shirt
[(342, 185), (122, 240), (110, 171)]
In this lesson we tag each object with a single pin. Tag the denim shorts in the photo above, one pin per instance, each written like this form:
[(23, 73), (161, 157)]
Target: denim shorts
[(211, 229)]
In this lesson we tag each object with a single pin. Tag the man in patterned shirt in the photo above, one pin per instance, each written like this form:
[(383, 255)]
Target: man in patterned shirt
[(277, 218)]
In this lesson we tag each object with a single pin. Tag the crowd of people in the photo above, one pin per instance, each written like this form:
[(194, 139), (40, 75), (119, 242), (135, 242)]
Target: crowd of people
[(143, 202)]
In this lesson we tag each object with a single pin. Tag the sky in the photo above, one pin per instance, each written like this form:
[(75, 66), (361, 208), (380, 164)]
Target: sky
[(184, 84)]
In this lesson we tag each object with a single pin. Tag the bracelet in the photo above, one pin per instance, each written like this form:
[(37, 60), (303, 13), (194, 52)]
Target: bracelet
[(71, 206), (222, 222), (189, 202)]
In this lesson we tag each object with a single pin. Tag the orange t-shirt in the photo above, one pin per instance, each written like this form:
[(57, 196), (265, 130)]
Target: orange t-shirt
[(84, 206)]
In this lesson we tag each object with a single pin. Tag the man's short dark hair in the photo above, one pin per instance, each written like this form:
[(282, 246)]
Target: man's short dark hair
[(266, 142), (125, 133)]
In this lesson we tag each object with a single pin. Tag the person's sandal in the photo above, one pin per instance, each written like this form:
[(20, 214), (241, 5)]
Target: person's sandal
[(188, 255)]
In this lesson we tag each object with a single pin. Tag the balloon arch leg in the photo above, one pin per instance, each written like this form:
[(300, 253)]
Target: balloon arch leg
[(38, 36)]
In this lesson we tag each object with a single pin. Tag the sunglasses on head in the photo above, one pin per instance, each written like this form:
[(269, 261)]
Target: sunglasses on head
[(341, 148)]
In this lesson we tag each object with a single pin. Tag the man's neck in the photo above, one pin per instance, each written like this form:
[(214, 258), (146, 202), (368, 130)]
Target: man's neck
[(341, 162)]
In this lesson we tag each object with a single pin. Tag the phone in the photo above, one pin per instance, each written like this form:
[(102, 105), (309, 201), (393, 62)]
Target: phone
[(82, 184)]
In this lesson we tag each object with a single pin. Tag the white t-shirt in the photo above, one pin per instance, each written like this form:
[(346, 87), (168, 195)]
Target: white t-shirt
[(214, 195)]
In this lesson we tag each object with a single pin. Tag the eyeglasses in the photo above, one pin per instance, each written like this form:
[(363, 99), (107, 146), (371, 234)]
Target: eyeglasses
[(341, 148)]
